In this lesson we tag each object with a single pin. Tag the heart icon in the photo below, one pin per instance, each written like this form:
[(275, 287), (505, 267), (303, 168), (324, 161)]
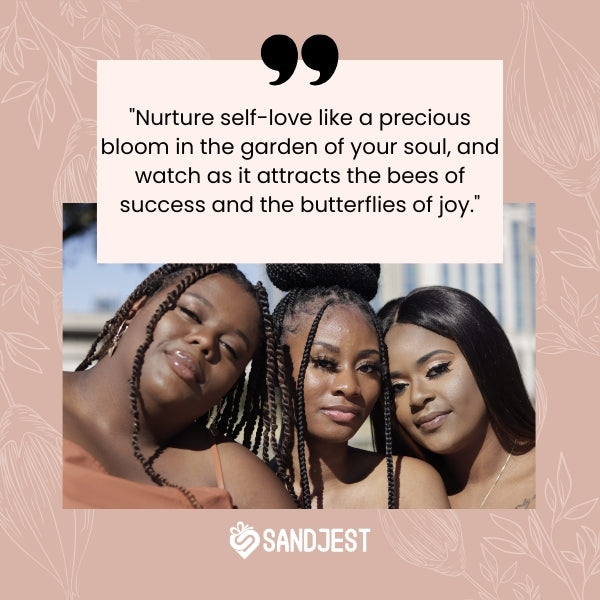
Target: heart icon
[(243, 539)]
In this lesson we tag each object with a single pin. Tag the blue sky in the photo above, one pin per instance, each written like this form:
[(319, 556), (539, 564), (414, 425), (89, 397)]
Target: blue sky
[(87, 283)]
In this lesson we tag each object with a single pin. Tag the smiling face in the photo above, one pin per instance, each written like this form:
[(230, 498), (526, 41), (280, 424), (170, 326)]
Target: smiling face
[(342, 381), (200, 348), (437, 399)]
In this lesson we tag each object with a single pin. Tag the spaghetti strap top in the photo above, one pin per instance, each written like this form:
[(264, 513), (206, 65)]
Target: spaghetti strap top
[(87, 484), (218, 467)]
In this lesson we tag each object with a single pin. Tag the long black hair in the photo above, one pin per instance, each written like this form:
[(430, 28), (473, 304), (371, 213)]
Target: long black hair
[(459, 316), (228, 417), (312, 289)]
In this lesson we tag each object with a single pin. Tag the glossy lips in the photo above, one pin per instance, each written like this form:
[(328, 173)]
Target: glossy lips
[(431, 421), (185, 366), (341, 413)]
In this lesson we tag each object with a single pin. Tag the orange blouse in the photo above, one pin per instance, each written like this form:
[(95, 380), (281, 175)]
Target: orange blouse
[(87, 484)]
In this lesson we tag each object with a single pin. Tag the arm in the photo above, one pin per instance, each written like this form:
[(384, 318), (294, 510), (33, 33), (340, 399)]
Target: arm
[(250, 481), (420, 485)]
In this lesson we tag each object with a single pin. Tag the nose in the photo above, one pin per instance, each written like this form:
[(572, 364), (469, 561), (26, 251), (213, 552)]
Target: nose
[(208, 342), (346, 383), (420, 394)]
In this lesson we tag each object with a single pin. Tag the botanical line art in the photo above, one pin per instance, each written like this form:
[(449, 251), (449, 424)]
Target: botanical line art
[(553, 108), (433, 540), (553, 112), (28, 46), (30, 448)]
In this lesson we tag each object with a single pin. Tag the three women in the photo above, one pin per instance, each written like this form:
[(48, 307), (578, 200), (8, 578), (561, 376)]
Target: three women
[(136, 413)]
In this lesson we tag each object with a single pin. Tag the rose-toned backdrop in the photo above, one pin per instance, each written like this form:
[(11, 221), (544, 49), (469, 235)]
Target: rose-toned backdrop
[(552, 150)]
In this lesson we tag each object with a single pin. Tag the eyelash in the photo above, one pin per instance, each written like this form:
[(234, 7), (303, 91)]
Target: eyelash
[(398, 388), (370, 368), (229, 349), (438, 370), (325, 363), (331, 365), (432, 373), (190, 313)]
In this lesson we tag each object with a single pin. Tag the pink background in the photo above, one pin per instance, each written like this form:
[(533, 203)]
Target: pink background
[(52, 553)]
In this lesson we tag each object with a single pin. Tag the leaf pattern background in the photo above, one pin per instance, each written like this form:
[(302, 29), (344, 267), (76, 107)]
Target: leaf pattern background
[(47, 118)]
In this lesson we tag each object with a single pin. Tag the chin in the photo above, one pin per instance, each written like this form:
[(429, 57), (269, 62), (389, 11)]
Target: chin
[(332, 437), (442, 448)]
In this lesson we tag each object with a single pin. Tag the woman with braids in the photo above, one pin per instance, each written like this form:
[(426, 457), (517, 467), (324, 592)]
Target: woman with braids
[(137, 432), (331, 364), (460, 396)]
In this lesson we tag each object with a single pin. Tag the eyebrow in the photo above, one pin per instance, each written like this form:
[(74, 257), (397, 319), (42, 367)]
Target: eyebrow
[(424, 359), (427, 356), (210, 305), (332, 348)]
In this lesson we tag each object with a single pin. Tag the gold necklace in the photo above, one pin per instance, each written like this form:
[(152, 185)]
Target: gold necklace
[(498, 476)]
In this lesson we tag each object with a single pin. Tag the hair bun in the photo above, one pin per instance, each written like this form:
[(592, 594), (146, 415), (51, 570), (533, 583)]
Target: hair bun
[(361, 278)]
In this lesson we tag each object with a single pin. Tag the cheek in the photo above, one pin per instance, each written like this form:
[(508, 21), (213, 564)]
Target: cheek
[(463, 391), (226, 376), (403, 412), (315, 384), (477, 404), (371, 391)]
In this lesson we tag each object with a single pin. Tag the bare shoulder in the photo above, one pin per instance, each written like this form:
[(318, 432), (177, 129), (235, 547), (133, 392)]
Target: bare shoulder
[(250, 481), (417, 483), (420, 485), (526, 462), (522, 481)]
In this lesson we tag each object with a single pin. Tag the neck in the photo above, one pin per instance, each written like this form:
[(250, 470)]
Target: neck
[(98, 401), (475, 464), (328, 465)]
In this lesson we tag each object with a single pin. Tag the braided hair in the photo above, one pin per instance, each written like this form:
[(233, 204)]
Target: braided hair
[(227, 418), (312, 289)]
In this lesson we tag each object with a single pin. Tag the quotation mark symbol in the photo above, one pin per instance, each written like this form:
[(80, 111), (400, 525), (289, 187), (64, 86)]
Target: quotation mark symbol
[(243, 539), (319, 52)]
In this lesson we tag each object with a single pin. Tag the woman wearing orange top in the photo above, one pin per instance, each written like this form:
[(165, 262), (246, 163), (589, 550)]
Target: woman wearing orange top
[(150, 413)]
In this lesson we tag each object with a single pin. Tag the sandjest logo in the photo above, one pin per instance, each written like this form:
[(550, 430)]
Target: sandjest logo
[(244, 539)]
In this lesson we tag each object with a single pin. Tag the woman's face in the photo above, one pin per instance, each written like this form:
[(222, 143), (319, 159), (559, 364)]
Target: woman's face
[(200, 348), (342, 381), (437, 399)]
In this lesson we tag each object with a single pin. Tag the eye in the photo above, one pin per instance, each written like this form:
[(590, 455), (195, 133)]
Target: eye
[(438, 370), (190, 313), (398, 387), (369, 368), (324, 362), (229, 349)]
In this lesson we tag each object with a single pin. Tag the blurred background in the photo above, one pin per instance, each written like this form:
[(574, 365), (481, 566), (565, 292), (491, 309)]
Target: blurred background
[(92, 292)]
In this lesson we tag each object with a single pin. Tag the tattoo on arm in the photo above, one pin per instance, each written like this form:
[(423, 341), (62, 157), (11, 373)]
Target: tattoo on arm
[(526, 502)]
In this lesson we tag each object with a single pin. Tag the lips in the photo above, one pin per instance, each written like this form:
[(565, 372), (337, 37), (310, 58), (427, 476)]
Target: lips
[(341, 413), (185, 366), (431, 421)]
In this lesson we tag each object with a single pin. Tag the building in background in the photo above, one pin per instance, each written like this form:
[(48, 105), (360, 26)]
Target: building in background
[(507, 289)]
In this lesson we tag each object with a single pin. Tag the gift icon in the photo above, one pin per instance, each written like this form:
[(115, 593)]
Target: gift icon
[(243, 539)]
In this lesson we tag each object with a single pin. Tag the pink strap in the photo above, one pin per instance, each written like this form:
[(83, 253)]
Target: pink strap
[(218, 467)]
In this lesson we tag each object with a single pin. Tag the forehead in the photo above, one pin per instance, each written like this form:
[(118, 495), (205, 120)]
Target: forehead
[(404, 340), (217, 284), (228, 300), (340, 324)]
